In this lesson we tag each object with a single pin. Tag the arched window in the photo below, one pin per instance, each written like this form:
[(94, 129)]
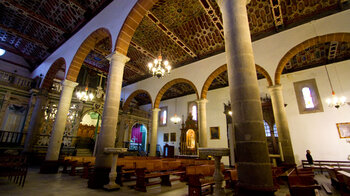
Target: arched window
[(190, 139), (275, 133), (307, 97), (267, 129)]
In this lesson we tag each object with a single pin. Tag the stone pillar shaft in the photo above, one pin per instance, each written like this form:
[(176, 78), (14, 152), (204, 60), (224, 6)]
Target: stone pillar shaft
[(281, 121), (154, 135), (35, 123), (202, 110), (121, 133), (111, 109), (253, 164), (61, 120)]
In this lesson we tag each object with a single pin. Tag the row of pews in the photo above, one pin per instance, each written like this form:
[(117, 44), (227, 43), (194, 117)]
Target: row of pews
[(14, 168), (339, 178), (197, 173)]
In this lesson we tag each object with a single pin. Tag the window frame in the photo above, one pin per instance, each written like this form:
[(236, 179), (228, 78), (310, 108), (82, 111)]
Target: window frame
[(311, 84), (189, 109)]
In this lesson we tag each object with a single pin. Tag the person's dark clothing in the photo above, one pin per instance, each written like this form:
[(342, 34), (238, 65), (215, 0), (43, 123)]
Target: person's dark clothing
[(309, 159)]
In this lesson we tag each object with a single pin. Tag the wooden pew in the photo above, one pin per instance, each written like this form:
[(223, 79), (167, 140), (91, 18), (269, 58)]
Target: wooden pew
[(346, 181), (146, 170), (302, 183), (15, 168), (320, 164), (201, 180)]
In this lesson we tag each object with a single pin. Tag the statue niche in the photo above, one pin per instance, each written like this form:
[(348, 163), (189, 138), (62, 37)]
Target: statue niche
[(189, 137)]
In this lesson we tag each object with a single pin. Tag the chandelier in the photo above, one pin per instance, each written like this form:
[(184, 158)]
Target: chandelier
[(84, 95), (334, 101), (159, 67)]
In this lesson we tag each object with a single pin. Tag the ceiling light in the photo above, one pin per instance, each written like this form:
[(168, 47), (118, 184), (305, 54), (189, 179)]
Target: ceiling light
[(159, 67), (334, 101), (2, 51)]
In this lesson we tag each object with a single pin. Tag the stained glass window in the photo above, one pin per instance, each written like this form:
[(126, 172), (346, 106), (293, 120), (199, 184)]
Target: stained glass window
[(163, 116), (275, 130)]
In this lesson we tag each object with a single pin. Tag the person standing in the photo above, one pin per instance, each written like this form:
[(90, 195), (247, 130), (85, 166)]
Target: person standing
[(309, 157)]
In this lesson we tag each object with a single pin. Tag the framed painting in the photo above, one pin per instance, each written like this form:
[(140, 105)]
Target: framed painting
[(344, 130), (173, 137), (214, 133), (166, 137)]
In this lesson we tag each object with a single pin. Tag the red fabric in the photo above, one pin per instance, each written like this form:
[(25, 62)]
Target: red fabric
[(136, 135)]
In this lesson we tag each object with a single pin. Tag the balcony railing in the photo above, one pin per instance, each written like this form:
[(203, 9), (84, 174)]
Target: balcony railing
[(10, 138), (15, 80)]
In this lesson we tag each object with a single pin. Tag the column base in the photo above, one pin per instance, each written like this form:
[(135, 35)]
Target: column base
[(248, 191), (49, 167), (99, 178)]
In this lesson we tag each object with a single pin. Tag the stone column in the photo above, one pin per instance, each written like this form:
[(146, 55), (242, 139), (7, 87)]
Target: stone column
[(253, 163), (121, 132), (202, 110), (111, 109), (154, 135), (281, 121), (36, 120), (60, 121)]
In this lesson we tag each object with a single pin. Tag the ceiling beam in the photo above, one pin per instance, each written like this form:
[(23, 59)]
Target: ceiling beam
[(134, 68), (170, 34), (332, 53), (176, 90), (17, 52), (23, 36), (17, 64), (142, 50), (221, 80), (215, 19), (70, 2), (277, 13), (19, 9)]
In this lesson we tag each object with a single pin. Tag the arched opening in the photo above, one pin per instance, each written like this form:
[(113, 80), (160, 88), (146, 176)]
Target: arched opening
[(187, 87), (218, 79), (313, 52), (137, 99), (138, 141), (95, 47), (55, 73)]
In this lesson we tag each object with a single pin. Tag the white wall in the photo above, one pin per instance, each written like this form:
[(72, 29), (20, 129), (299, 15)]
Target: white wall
[(316, 131)]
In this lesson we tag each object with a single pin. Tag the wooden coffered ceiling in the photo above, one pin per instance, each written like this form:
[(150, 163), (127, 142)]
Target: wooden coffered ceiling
[(183, 31)]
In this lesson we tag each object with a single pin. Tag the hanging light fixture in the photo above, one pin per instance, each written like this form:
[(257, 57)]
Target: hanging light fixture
[(175, 119), (159, 67), (85, 95), (334, 101)]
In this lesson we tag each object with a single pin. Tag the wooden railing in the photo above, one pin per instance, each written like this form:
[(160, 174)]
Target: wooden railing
[(321, 164), (10, 138), (15, 80)]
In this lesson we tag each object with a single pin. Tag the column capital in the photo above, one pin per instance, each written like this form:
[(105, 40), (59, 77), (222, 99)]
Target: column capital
[(69, 83), (155, 110), (202, 101), (277, 87), (119, 56), (220, 1)]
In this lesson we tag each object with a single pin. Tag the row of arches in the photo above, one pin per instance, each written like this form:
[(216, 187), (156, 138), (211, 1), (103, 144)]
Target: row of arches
[(102, 33)]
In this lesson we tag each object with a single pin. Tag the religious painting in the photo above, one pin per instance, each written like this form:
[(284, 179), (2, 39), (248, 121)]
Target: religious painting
[(190, 139), (344, 130), (214, 133), (166, 137), (173, 137)]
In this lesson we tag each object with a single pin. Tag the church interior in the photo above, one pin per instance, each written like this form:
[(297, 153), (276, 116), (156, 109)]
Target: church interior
[(187, 97)]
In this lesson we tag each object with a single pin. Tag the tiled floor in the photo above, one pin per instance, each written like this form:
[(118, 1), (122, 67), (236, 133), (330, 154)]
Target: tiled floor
[(65, 185)]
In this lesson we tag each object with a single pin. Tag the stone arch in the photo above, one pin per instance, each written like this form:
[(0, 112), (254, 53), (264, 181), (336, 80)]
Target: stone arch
[(340, 37), (132, 95), (223, 68), (51, 73), (131, 23), (84, 49), (170, 84)]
